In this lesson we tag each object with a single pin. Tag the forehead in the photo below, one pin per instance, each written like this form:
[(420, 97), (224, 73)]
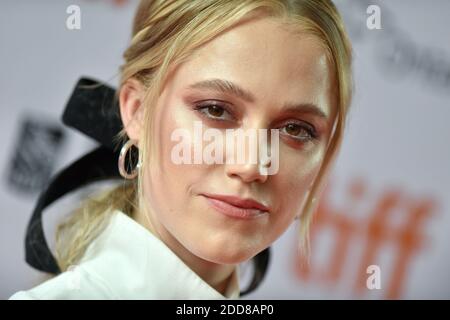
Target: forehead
[(267, 59)]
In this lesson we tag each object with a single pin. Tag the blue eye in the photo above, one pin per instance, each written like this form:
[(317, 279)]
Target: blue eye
[(214, 112), (299, 132)]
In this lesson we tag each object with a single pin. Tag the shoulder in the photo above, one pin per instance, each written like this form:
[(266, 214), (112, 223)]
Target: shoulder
[(70, 285), (99, 274)]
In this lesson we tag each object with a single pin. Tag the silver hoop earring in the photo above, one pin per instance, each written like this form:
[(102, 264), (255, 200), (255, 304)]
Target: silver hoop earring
[(122, 160), (266, 164)]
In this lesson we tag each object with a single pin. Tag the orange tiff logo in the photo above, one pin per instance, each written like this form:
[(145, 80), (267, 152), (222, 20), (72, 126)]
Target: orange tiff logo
[(374, 231)]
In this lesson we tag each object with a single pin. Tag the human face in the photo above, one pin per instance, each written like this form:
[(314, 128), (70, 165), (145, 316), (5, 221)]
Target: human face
[(276, 67)]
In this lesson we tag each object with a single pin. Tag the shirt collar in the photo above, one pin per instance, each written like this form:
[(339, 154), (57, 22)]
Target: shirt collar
[(134, 264)]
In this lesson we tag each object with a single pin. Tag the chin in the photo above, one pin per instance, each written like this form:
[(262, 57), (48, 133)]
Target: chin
[(227, 255), (231, 260)]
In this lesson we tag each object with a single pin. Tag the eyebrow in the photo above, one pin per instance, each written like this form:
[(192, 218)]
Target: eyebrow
[(228, 87)]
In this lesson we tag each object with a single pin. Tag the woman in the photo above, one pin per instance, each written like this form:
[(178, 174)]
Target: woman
[(181, 229)]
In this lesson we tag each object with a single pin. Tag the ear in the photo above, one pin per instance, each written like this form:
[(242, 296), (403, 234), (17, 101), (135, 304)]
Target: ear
[(131, 107)]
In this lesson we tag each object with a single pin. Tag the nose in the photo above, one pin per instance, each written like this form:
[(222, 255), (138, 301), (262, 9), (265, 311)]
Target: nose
[(248, 172), (252, 167)]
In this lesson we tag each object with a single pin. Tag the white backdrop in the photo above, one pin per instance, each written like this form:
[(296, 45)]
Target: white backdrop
[(387, 203)]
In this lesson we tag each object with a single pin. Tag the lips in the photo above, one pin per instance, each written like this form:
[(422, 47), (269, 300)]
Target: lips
[(236, 207)]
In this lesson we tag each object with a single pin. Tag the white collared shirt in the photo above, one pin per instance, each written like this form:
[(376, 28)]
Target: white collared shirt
[(126, 261)]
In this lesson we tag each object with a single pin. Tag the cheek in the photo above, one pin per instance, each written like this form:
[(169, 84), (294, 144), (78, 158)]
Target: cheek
[(174, 180), (177, 140), (295, 178)]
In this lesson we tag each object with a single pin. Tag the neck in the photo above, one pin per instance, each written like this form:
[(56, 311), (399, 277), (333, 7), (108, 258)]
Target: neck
[(218, 276)]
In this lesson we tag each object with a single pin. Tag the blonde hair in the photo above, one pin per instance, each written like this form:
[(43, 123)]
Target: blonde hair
[(165, 33)]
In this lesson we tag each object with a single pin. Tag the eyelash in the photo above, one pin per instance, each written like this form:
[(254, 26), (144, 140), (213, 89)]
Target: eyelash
[(206, 106), (312, 134)]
